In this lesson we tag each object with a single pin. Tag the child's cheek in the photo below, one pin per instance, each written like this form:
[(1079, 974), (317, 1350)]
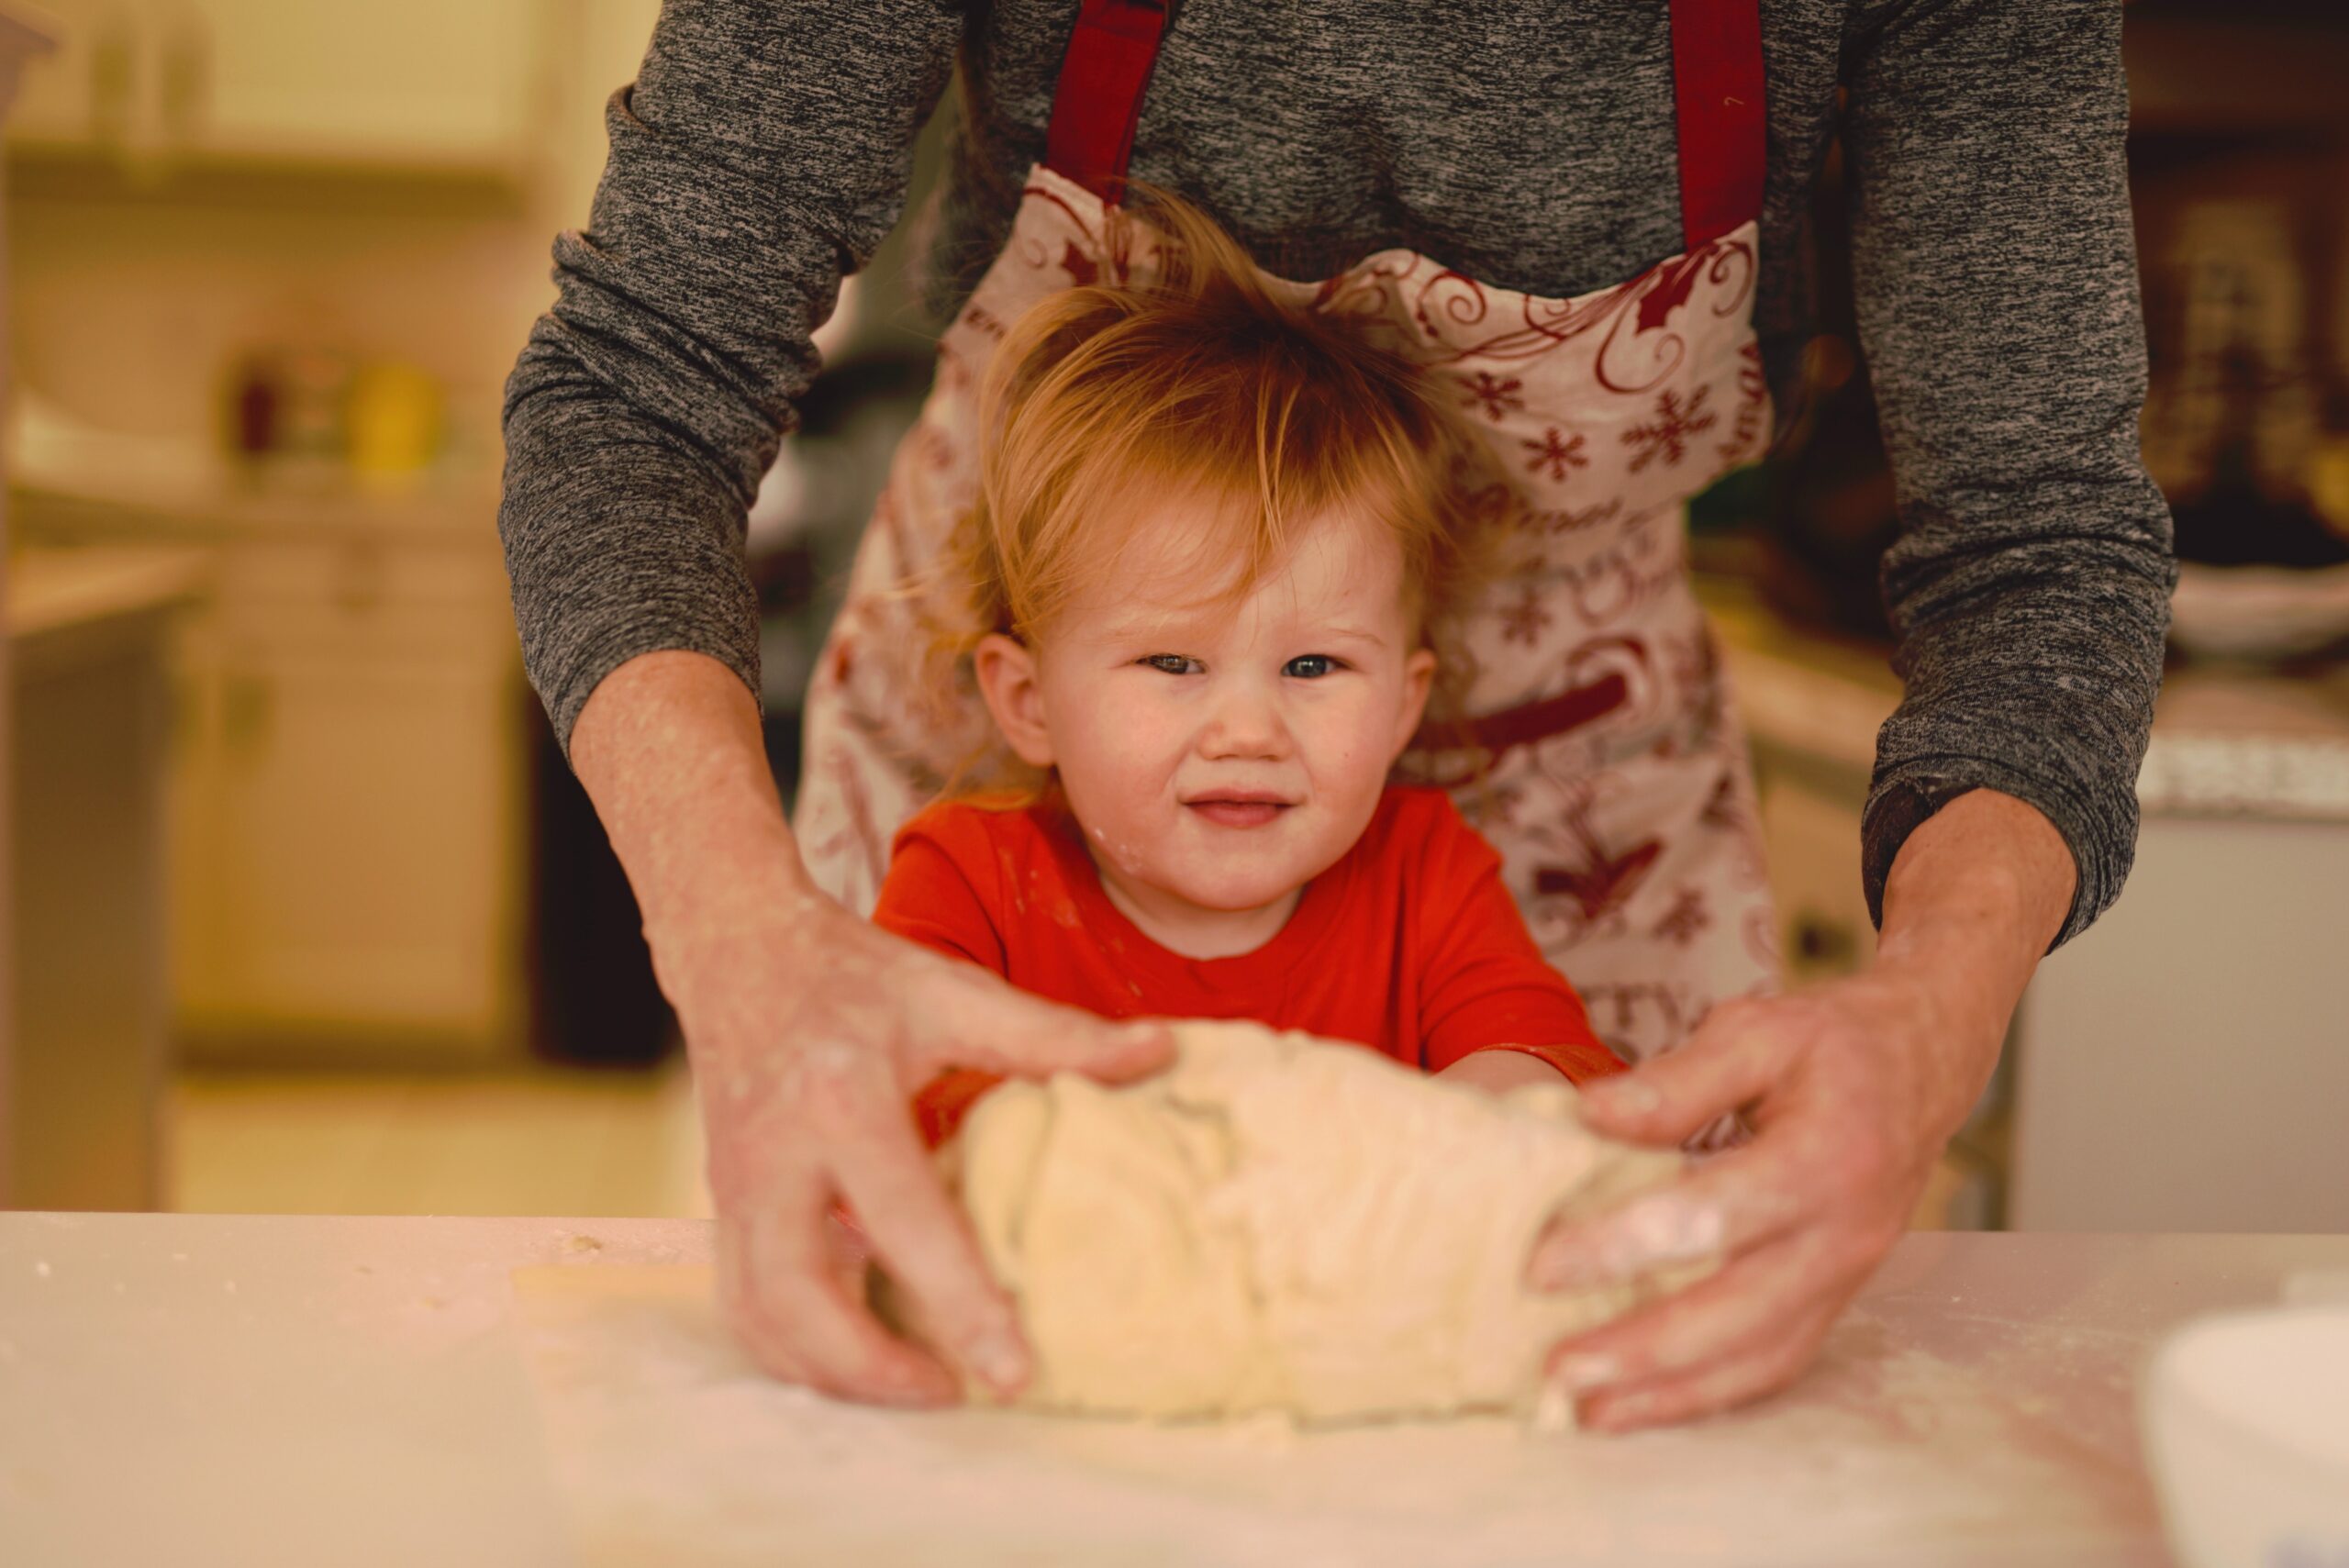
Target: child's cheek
[(1135, 742), (1345, 749)]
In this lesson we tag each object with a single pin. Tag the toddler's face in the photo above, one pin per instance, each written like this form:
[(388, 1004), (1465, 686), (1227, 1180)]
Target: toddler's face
[(1222, 758)]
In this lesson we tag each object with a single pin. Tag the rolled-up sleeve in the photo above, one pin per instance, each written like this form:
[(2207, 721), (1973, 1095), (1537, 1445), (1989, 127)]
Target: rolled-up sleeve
[(762, 153), (1997, 290)]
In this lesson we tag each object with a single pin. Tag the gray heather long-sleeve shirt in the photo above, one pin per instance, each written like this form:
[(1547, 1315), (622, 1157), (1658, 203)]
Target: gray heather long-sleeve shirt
[(766, 148)]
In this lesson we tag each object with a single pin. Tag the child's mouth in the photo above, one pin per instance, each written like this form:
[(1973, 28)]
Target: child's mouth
[(1226, 813)]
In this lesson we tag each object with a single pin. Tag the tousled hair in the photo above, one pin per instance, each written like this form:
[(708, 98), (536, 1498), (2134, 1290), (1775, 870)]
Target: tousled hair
[(1198, 382)]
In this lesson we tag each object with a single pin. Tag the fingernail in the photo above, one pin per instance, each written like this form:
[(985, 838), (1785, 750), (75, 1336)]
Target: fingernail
[(1581, 1373), (1000, 1359)]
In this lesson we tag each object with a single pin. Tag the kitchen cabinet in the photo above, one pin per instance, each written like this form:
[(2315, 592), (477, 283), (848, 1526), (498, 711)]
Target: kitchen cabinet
[(351, 783), (1811, 707), (294, 81), (90, 88), (346, 779), (19, 42), (2187, 1058), (87, 634), (2179, 1066), (345, 844), (1813, 833)]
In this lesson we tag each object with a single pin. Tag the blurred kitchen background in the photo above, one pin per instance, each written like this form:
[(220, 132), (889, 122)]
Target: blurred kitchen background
[(308, 915)]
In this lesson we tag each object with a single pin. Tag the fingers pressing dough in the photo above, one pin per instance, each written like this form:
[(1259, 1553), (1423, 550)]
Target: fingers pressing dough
[(1284, 1224)]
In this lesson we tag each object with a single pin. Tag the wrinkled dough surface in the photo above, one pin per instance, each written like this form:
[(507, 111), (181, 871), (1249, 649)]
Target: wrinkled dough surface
[(1283, 1224)]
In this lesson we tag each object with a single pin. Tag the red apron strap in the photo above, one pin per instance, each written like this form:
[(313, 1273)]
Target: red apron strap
[(1717, 104), (1099, 94), (1716, 93)]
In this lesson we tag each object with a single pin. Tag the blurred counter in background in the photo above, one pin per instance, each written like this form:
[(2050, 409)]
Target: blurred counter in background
[(2200, 1017), (89, 635)]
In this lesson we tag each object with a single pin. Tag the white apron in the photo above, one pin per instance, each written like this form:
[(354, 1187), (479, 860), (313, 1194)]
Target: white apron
[(1607, 770)]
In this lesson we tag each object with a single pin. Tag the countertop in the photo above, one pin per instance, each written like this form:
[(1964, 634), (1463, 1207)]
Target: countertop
[(50, 591), (2228, 739), (64, 604), (255, 1390), (65, 479)]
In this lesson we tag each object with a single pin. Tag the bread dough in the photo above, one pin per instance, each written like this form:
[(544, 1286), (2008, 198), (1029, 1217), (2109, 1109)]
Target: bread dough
[(1279, 1223)]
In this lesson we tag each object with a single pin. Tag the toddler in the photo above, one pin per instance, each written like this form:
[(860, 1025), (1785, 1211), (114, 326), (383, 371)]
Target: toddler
[(1219, 544)]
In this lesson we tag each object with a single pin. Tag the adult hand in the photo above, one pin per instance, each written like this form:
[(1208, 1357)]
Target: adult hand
[(811, 1030), (1853, 1087)]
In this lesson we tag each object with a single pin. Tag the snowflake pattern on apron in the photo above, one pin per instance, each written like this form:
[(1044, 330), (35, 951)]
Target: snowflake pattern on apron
[(1601, 758)]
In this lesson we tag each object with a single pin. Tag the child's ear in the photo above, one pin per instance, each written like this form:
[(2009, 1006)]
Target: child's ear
[(1006, 674), (1419, 679)]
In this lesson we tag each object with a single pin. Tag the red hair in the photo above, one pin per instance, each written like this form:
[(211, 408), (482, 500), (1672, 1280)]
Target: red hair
[(1200, 384)]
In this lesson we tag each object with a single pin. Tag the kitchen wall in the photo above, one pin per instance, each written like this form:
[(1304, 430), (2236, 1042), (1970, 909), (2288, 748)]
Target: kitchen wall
[(135, 293), (131, 308)]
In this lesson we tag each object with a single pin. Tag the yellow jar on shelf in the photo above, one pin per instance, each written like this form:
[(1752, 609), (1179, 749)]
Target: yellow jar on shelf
[(393, 422)]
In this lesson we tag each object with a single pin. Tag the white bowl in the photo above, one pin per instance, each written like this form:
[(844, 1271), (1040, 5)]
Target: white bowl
[(2247, 1421), (2258, 612)]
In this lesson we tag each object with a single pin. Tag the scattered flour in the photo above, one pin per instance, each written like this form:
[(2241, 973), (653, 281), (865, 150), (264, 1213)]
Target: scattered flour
[(669, 1448)]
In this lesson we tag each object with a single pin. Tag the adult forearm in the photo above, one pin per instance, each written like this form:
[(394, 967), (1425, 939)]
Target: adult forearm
[(763, 152), (1975, 895), (810, 1031), (1987, 141), (669, 750)]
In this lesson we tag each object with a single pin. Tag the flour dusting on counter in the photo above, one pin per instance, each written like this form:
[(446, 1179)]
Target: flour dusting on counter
[(669, 1448)]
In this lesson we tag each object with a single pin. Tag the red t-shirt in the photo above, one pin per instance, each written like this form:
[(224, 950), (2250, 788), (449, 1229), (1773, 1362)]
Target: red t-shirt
[(1408, 944)]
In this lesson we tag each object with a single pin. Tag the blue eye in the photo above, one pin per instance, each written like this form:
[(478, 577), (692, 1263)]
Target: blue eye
[(1173, 663), (1319, 665)]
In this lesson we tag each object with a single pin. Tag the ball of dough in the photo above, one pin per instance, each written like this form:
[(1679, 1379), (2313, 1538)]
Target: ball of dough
[(1278, 1223)]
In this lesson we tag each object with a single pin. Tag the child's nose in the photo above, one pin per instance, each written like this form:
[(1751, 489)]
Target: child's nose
[(1246, 724)]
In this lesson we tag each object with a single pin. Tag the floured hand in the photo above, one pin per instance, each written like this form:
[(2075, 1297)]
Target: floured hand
[(1853, 1087), (811, 1030)]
